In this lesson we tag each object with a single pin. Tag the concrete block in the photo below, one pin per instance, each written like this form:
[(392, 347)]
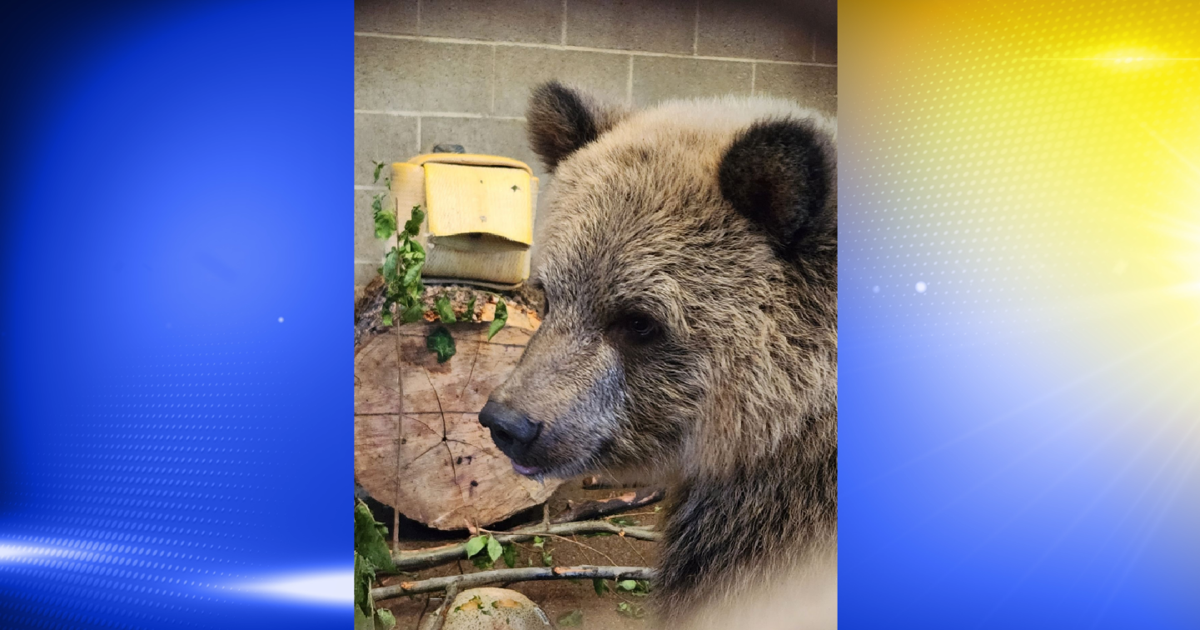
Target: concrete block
[(367, 248), (364, 273), (660, 78), (536, 21), (660, 26), (827, 48), (812, 86), (752, 30), (405, 75), (382, 138), (518, 70), (398, 17), (480, 135)]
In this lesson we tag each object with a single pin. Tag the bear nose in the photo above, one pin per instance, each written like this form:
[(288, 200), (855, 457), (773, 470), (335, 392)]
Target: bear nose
[(510, 428)]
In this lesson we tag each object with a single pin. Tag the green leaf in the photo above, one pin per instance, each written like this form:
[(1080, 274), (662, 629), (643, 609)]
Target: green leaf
[(385, 224), (378, 169), (363, 622), (547, 559), (384, 620), (444, 310), (389, 265), (413, 313), (627, 585), (440, 342), (482, 561), (368, 542), (539, 542), (510, 555), (471, 310), (414, 291), (476, 544), (413, 225), (571, 619), (600, 586), (623, 521), (363, 574), (386, 316), (501, 319), (494, 549), (411, 275), (629, 610)]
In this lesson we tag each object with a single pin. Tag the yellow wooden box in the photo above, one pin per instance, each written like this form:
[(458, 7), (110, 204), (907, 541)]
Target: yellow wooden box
[(479, 212)]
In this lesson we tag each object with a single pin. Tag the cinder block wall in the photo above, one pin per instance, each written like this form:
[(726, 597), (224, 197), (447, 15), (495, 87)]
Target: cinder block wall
[(460, 71)]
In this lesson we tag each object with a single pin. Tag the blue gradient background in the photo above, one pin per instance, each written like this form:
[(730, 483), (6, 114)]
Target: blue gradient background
[(1019, 314), (1017, 441), (173, 186)]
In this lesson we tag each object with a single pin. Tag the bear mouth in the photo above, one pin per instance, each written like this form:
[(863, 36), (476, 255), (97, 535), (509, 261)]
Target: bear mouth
[(528, 471)]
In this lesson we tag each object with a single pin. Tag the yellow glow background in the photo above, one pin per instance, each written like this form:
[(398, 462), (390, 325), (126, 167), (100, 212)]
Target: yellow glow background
[(1060, 140), (1019, 302)]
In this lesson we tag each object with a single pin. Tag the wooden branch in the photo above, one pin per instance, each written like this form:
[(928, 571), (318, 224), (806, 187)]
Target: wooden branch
[(435, 620), (596, 482), (410, 560), (615, 505), (506, 576)]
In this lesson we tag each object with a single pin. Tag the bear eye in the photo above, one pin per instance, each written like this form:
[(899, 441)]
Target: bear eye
[(640, 328)]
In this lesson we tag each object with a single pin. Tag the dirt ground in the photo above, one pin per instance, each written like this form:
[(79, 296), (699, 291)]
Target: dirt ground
[(557, 597)]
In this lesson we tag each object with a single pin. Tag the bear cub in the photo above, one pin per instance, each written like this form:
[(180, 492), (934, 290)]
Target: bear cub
[(689, 266)]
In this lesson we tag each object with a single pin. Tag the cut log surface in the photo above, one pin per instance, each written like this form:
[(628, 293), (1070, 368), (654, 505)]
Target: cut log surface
[(418, 444)]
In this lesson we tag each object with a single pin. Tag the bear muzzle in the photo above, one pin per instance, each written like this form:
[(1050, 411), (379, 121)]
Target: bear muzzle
[(512, 431)]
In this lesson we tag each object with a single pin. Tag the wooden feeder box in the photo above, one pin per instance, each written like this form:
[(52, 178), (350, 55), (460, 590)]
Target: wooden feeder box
[(479, 212)]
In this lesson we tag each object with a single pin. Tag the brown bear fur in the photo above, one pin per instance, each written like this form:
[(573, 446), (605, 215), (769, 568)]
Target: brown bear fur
[(689, 263)]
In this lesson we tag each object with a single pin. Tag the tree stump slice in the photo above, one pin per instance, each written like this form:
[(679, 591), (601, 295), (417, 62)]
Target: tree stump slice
[(418, 444)]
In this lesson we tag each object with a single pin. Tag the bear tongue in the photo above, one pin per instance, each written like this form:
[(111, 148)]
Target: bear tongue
[(528, 471)]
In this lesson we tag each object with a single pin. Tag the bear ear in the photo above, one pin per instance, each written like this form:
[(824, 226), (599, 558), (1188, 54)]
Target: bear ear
[(780, 175), (561, 121)]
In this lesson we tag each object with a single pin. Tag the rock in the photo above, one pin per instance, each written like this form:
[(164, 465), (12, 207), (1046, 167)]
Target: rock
[(494, 609)]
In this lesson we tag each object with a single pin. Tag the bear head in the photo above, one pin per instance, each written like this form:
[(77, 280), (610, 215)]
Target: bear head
[(689, 263)]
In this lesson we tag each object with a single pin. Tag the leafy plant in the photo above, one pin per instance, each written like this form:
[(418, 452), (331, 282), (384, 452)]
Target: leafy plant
[(631, 610), (600, 586), (444, 310), (402, 265), (476, 544), (492, 549), (441, 343), (401, 273), (638, 588), (540, 543), (510, 555), (499, 321), (370, 555), (571, 619)]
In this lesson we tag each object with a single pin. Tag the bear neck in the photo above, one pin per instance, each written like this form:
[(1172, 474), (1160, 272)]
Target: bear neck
[(728, 531)]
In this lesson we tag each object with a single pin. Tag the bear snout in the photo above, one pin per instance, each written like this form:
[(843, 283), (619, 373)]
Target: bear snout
[(512, 430)]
